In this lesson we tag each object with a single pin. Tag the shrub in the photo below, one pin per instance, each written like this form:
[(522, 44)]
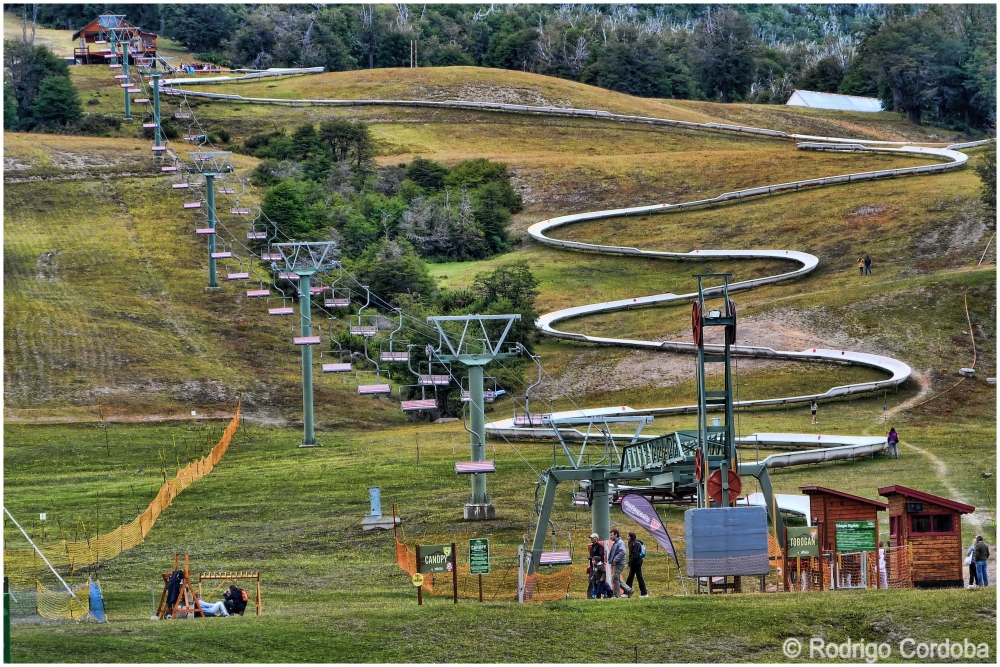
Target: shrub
[(57, 102), (98, 124)]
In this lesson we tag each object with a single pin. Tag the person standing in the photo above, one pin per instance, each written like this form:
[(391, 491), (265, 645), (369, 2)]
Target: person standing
[(893, 440), (970, 560), (635, 558), (982, 554), (596, 562), (881, 565), (617, 556), (868, 265), (813, 406), (861, 266)]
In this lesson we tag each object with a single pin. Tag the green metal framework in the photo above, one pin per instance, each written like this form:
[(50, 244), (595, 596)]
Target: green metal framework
[(668, 462), (305, 259), (209, 164), (475, 349)]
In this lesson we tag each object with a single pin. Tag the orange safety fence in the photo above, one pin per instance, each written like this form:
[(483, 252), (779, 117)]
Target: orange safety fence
[(499, 584), (22, 564)]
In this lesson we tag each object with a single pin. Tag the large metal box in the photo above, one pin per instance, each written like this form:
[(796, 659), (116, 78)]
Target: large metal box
[(726, 541)]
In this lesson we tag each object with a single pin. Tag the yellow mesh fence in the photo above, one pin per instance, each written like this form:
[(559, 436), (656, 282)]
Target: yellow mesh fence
[(21, 565), (60, 605), (499, 584)]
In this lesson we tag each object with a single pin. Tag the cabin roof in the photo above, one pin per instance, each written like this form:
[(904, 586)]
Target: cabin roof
[(93, 26), (907, 492), (815, 490)]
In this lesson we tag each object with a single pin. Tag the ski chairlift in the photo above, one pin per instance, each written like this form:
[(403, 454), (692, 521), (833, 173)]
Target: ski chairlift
[(222, 252), (263, 290), (312, 339), (417, 404), (339, 366), (394, 353), (240, 274), (367, 325), (473, 467), (372, 388), (491, 389), (339, 297), (432, 379), (528, 419), (284, 309)]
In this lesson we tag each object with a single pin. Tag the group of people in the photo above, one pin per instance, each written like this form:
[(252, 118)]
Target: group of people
[(619, 556), (976, 558), (193, 68), (232, 602), (865, 265)]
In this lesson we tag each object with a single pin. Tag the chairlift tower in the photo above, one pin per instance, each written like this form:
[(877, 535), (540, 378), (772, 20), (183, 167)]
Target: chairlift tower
[(113, 24), (468, 348), (702, 317), (208, 164), (156, 109), (305, 259)]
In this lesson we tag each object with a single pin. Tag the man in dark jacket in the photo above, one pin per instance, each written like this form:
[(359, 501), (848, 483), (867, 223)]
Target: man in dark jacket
[(235, 604), (635, 565), (596, 556), (982, 554)]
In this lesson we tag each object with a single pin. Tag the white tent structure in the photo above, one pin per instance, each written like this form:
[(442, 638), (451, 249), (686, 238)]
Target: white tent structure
[(813, 100)]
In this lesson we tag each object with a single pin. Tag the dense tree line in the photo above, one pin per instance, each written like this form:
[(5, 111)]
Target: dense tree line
[(934, 63), (322, 183)]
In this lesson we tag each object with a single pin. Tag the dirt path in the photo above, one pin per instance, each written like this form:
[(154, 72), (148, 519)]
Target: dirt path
[(923, 394), (981, 517)]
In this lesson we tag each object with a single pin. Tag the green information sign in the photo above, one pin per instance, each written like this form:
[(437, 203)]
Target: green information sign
[(479, 555), (856, 536), (435, 558), (803, 542)]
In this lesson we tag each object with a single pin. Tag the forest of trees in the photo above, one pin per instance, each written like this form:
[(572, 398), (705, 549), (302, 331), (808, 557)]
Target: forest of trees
[(933, 63)]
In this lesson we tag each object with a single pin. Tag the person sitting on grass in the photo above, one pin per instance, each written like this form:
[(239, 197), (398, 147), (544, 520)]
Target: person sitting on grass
[(236, 600)]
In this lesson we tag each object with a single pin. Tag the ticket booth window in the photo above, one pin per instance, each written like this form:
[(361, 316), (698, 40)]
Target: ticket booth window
[(931, 523)]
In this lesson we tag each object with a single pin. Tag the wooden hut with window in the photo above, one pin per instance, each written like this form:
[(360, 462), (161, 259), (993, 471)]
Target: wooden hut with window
[(94, 43), (828, 506), (932, 527)]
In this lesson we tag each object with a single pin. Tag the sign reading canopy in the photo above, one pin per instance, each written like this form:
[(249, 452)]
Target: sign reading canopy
[(856, 536), (479, 555), (435, 558), (803, 542), (640, 510)]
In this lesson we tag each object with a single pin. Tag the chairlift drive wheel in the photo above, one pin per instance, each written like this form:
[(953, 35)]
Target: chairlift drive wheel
[(731, 331), (696, 322), (715, 486)]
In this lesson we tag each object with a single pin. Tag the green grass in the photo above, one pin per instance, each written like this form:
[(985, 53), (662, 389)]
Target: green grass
[(104, 303)]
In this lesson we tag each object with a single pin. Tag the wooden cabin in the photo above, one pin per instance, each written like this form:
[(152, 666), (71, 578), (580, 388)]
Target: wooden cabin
[(829, 506), (932, 527), (94, 43)]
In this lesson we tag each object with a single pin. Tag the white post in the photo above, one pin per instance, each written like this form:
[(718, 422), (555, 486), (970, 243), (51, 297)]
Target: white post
[(520, 573)]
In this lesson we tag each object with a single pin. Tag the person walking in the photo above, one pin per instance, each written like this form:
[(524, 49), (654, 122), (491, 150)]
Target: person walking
[(861, 266), (893, 440), (813, 406), (596, 563), (868, 265), (635, 557), (970, 560), (982, 553), (617, 556)]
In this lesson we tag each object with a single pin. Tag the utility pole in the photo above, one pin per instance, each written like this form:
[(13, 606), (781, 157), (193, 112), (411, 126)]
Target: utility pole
[(305, 259), (458, 340)]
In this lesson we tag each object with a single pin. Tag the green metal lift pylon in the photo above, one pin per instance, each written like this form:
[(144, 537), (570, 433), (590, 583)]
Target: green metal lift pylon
[(667, 462), (306, 259), (483, 351), (209, 164)]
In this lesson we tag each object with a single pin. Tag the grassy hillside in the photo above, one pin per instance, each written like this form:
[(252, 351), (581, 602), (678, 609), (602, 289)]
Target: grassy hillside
[(105, 304)]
